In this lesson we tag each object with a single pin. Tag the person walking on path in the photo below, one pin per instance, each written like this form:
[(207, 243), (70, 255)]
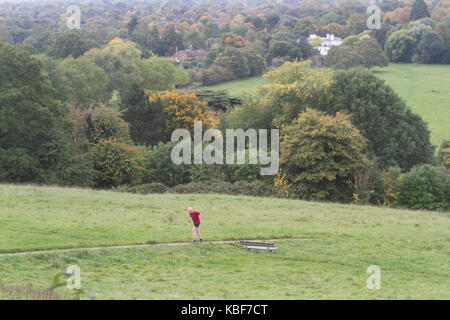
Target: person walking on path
[(194, 216)]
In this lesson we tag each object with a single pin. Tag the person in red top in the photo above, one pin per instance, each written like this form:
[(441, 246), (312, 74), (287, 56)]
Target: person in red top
[(194, 216)]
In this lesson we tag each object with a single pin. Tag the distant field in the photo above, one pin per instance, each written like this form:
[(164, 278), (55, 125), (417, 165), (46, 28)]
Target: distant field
[(425, 89), (326, 254), (238, 87)]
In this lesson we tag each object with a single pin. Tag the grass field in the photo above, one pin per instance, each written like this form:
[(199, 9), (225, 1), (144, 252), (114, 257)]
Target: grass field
[(325, 254), (425, 89), (238, 87)]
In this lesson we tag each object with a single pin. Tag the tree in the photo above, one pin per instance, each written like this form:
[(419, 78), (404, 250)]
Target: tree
[(398, 16), (194, 39), (444, 153), (304, 27), (147, 119), (396, 136), (443, 29), (380, 34), (106, 124), (283, 49), (119, 60), (4, 34), (292, 88), (170, 41), (256, 63), (132, 25), (162, 169), (38, 43), (233, 60), (431, 48), (424, 187), (159, 73), (35, 131), (69, 44), (356, 23), (284, 36), (372, 54), (251, 113), (343, 57), (419, 10), (272, 20), (211, 56), (339, 30), (78, 81), (234, 41), (115, 163), (181, 110), (400, 46), (240, 29), (331, 17), (320, 154), (211, 30), (147, 37)]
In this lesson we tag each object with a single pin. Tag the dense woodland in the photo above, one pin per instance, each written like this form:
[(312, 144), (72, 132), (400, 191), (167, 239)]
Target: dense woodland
[(96, 107)]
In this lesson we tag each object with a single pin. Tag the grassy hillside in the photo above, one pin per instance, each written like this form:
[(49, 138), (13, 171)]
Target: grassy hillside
[(327, 250), (425, 88), (238, 87)]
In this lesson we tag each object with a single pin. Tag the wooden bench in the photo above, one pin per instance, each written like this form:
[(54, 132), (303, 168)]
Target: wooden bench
[(256, 245)]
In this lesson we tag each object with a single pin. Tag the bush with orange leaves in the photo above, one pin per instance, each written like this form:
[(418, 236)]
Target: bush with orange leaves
[(181, 110), (236, 41)]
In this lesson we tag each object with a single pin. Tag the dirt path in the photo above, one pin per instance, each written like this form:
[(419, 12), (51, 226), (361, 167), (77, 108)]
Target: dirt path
[(133, 246)]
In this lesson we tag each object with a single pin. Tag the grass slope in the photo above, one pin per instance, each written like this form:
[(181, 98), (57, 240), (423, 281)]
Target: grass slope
[(426, 90), (238, 87), (329, 250)]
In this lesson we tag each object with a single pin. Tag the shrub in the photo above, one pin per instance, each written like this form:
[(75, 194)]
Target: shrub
[(160, 167), (343, 57), (181, 110), (115, 163), (104, 123), (400, 46), (320, 154), (444, 153), (424, 187), (146, 188), (257, 188)]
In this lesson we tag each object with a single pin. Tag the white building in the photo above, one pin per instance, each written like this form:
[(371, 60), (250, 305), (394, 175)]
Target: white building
[(326, 43)]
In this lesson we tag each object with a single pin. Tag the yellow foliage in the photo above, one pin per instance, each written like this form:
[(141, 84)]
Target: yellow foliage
[(281, 184), (182, 109)]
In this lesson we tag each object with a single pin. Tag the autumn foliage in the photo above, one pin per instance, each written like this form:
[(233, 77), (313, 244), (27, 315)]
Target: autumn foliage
[(320, 153), (182, 109)]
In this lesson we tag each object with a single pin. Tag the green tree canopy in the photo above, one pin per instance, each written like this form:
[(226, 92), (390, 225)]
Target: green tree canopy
[(68, 44), (419, 10), (343, 57), (35, 131), (320, 154), (372, 54), (400, 46), (119, 60), (431, 48), (396, 136)]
